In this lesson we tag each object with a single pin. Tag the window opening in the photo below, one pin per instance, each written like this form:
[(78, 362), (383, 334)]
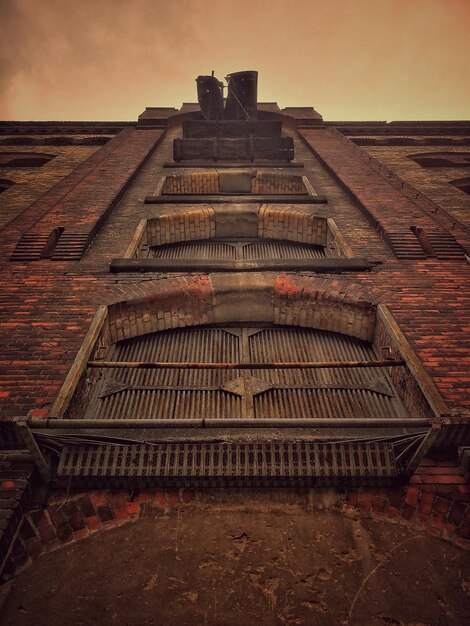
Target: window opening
[(5, 184), (442, 159), (463, 184), (256, 390), (23, 159)]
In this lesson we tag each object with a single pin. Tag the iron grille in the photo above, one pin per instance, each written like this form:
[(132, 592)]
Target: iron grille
[(404, 244), (234, 464), (30, 247), (71, 245)]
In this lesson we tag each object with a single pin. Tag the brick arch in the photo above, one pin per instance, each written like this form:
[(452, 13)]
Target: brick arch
[(335, 305), (266, 222), (292, 224)]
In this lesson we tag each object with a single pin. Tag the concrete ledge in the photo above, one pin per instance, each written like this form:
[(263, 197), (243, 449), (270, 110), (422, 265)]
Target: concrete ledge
[(218, 165), (328, 266), (233, 199)]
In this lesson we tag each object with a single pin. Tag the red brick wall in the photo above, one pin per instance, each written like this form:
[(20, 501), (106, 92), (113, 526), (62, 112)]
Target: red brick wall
[(430, 299), (46, 307), (82, 199), (30, 183)]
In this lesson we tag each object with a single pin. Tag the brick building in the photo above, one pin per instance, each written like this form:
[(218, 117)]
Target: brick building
[(313, 274)]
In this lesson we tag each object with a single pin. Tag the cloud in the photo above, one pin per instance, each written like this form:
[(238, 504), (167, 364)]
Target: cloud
[(108, 59), (64, 53)]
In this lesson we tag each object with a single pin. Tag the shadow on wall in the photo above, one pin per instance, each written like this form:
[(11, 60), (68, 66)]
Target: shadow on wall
[(24, 159)]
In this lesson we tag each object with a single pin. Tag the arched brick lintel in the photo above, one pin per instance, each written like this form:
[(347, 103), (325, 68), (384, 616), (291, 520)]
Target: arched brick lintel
[(266, 222), (335, 305)]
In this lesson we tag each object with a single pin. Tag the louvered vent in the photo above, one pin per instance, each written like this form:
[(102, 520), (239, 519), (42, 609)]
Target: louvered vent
[(71, 246), (29, 247), (404, 244), (443, 245), (419, 243), (34, 246), (228, 464)]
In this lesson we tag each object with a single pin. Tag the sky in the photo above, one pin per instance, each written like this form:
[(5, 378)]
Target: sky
[(350, 59)]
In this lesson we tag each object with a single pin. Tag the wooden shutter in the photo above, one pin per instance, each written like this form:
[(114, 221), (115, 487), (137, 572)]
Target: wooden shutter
[(243, 393)]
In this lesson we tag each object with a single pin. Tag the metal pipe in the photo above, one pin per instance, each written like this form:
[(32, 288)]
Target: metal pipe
[(60, 423), (312, 422), (244, 366)]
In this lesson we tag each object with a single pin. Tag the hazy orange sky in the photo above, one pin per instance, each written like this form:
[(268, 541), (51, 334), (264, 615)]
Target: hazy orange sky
[(351, 60)]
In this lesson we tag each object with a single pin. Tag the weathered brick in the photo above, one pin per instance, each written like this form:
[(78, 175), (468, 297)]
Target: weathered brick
[(86, 506)]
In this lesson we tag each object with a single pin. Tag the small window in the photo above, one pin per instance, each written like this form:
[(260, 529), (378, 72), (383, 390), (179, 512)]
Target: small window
[(24, 159), (442, 159), (463, 184), (5, 184)]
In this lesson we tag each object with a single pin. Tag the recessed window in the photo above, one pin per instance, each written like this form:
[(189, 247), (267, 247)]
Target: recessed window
[(261, 391), (5, 184), (442, 159), (265, 236), (463, 184), (24, 159)]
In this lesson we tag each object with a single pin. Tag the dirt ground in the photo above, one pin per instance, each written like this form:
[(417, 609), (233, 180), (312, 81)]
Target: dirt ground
[(243, 565)]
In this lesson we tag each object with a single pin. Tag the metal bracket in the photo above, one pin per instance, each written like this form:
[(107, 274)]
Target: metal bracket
[(421, 451), (39, 459)]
